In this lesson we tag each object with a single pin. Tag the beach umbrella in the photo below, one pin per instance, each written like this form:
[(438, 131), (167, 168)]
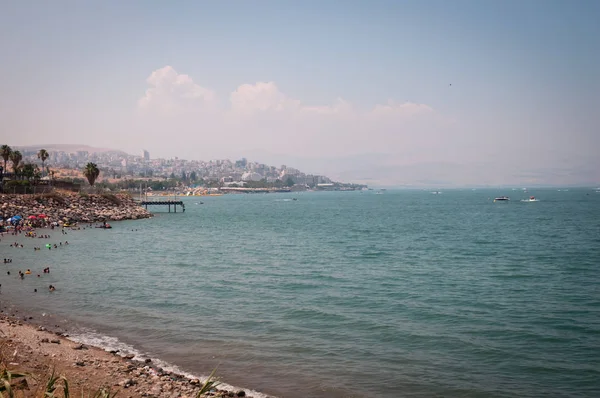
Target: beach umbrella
[(42, 215), (31, 217), (16, 218)]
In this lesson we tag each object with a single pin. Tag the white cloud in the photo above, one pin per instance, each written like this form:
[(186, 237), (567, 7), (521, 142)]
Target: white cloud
[(403, 109), (260, 97), (172, 93), (260, 115)]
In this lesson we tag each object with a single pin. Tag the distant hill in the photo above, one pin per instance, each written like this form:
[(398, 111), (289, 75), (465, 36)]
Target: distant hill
[(69, 148)]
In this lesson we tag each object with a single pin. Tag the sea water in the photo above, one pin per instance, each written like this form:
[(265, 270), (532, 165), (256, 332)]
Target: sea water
[(342, 294)]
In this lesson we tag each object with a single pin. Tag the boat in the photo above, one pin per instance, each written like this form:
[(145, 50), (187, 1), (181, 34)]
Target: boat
[(502, 199), (531, 199)]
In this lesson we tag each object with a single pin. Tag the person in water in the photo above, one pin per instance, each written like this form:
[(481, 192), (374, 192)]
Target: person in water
[(51, 288)]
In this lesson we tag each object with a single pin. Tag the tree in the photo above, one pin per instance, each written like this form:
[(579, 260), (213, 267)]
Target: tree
[(5, 152), (30, 171), (289, 182), (43, 155), (193, 176), (91, 172), (15, 158)]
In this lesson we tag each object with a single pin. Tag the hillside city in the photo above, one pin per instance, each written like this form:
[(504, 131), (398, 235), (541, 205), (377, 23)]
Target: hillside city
[(118, 166)]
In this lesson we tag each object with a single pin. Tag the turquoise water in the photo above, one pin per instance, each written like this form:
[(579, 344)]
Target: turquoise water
[(345, 294)]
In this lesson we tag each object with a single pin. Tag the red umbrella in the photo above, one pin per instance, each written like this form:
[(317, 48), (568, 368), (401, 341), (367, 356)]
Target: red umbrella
[(31, 217), (42, 216)]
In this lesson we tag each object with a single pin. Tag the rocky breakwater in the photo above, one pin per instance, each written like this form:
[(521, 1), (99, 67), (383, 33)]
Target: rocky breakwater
[(73, 207)]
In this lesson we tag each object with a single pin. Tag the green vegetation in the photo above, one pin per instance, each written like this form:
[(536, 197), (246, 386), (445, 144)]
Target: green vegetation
[(91, 172), (5, 152), (15, 158), (210, 384), (43, 155), (31, 172), (57, 386)]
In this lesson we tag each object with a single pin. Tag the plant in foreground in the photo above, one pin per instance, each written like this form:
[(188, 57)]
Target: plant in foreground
[(11, 381), (210, 384)]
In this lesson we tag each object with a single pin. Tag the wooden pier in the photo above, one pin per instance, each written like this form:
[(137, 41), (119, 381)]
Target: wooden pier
[(167, 202)]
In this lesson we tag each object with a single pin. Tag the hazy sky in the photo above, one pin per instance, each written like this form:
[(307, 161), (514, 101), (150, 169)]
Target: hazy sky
[(325, 84)]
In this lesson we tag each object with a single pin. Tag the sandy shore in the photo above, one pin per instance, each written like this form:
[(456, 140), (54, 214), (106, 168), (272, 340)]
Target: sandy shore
[(37, 350)]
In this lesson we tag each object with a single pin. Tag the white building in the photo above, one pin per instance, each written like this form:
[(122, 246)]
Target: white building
[(251, 176)]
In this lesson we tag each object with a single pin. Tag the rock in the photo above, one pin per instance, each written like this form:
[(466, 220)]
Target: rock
[(55, 341), (148, 360), (156, 390), (241, 393), (194, 381), (80, 347), (129, 356), (127, 383), (44, 340), (80, 363)]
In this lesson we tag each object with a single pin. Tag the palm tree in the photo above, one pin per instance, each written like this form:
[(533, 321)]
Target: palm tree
[(43, 155), (15, 158), (91, 172), (5, 152)]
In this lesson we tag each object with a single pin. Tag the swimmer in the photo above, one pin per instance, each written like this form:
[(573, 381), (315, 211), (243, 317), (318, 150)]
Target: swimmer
[(51, 288)]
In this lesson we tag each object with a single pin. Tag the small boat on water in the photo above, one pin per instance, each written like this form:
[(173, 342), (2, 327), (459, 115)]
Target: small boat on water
[(502, 199), (531, 199)]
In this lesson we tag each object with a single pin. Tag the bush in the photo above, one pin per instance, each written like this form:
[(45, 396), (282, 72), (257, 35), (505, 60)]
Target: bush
[(16, 183)]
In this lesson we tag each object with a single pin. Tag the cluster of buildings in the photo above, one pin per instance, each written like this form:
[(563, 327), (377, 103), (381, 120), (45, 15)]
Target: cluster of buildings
[(119, 165)]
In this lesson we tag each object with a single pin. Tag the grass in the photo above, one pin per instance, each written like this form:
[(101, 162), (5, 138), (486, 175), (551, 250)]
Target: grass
[(210, 384), (11, 381), (13, 384)]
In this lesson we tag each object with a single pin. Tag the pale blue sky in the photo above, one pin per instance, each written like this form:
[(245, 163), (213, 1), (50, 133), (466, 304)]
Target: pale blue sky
[(525, 78)]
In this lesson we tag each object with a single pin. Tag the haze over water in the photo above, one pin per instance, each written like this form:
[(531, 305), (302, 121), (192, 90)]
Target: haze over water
[(345, 294)]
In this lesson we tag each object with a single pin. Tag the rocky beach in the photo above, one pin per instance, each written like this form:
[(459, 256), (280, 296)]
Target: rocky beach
[(40, 345), (62, 206), (39, 351)]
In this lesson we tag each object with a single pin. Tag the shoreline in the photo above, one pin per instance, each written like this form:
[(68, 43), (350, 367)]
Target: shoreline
[(60, 207), (36, 348), (30, 333)]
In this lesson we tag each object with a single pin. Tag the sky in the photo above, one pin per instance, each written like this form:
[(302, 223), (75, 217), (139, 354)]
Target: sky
[(388, 92)]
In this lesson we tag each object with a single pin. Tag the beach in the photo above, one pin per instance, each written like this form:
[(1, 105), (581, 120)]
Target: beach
[(332, 295), (40, 345), (41, 350)]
